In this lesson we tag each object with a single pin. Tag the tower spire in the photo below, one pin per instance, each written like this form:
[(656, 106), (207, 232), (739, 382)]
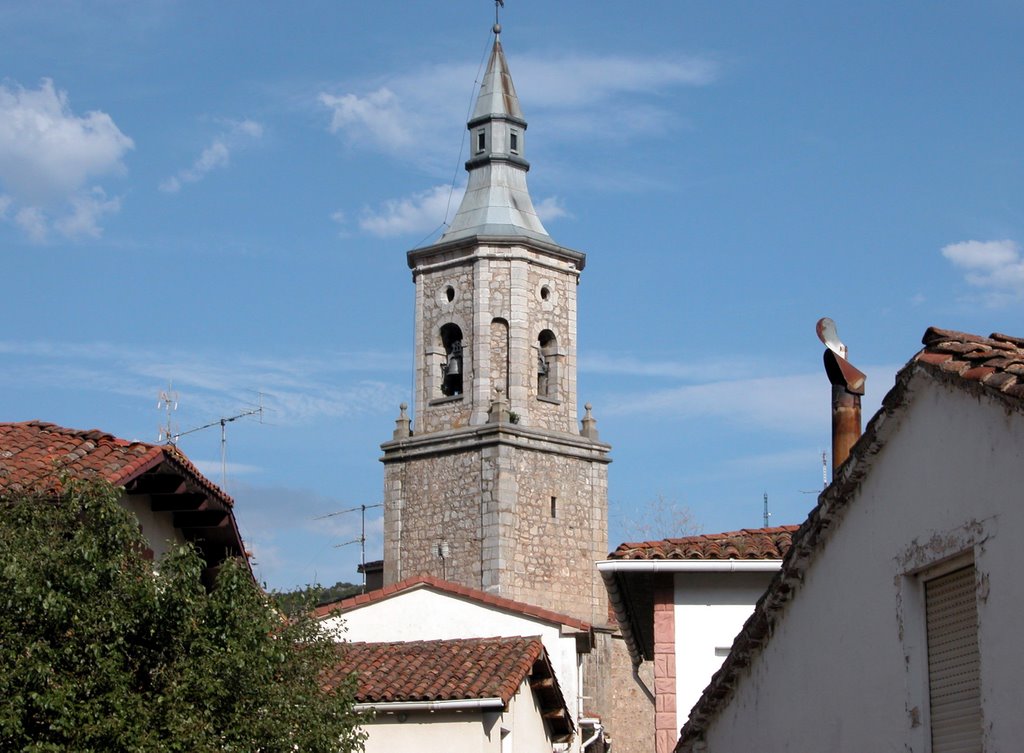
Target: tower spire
[(497, 201)]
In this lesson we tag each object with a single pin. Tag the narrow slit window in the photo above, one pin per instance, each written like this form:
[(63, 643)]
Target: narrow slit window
[(554, 507), (513, 142), (481, 141)]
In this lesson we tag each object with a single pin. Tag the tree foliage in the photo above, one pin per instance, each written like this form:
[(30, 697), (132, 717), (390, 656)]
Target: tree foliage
[(100, 650), (299, 599)]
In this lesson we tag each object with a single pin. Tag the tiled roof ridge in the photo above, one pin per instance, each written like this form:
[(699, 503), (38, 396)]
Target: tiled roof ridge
[(443, 669), (137, 457), (955, 369), (996, 362), (95, 435), (770, 542), (456, 589)]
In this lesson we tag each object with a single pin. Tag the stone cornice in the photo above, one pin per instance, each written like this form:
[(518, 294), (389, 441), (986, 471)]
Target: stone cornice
[(487, 435), (419, 257)]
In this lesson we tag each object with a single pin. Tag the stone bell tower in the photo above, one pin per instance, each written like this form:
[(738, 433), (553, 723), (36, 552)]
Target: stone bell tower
[(493, 483)]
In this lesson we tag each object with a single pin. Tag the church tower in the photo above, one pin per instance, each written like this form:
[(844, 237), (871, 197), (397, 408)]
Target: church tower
[(494, 483)]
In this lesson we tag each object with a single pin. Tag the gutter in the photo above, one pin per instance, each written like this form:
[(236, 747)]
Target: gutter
[(688, 566), (461, 704)]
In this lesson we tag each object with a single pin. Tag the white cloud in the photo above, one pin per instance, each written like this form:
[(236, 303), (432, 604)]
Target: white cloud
[(86, 210), (218, 154), (296, 390), (420, 213), (33, 223), (426, 211), (580, 81), (49, 158), (996, 267), (780, 403), (421, 114), (551, 208), (376, 117)]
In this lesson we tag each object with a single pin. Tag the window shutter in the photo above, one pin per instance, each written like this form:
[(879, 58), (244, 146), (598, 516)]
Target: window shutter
[(954, 677)]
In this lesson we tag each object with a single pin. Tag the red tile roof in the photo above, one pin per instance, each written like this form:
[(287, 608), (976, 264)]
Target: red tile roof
[(34, 454), (453, 589), (455, 670), (441, 670), (745, 544), (992, 366), (996, 361)]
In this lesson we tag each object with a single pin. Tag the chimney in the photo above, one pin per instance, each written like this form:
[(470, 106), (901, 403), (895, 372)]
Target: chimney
[(847, 388)]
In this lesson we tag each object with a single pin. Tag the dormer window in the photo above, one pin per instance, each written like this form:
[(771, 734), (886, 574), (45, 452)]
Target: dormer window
[(513, 142), (481, 141)]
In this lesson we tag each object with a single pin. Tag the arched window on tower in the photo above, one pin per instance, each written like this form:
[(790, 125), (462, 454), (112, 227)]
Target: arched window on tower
[(547, 365), (453, 367)]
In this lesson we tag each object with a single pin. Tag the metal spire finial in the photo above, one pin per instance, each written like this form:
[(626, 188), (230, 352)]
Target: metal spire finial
[(497, 26)]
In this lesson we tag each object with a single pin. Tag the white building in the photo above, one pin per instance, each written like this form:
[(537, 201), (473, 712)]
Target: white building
[(429, 609), (894, 623), (679, 604), (485, 695)]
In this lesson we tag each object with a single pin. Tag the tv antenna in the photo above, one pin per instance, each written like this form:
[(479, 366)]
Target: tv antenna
[(767, 514), (362, 532), (172, 437), (824, 475), (167, 400)]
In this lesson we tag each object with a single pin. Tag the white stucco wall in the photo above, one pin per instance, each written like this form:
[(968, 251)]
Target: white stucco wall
[(843, 670), (462, 731), (157, 527), (710, 608), (423, 614)]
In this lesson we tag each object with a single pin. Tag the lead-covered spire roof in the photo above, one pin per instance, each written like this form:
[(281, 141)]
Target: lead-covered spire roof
[(497, 201)]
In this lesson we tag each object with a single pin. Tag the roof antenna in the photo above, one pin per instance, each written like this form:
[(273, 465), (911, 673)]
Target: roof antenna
[(223, 423), (362, 533), (167, 400)]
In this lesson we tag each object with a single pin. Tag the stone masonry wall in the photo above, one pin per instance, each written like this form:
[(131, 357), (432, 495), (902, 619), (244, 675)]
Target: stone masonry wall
[(432, 508), (560, 532), (530, 292), (500, 494)]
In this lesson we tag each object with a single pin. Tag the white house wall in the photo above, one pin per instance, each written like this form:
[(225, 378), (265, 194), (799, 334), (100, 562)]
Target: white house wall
[(157, 527), (843, 669), (459, 732), (710, 609), (471, 731), (423, 615)]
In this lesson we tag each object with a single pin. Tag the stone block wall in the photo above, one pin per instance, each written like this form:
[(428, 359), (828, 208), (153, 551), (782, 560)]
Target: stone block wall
[(527, 291), (475, 507)]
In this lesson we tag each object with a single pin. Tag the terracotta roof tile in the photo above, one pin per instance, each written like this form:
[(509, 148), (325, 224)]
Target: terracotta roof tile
[(441, 670), (996, 361), (745, 544), (35, 454), (454, 589)]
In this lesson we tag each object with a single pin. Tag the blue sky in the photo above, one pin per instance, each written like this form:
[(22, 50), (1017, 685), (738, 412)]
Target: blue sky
[(221, 195)]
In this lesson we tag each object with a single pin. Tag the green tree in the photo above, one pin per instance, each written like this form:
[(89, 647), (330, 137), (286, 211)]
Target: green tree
[(101, 650)]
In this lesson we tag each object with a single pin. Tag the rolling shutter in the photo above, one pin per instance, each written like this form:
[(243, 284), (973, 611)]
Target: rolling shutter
[(954, 677)]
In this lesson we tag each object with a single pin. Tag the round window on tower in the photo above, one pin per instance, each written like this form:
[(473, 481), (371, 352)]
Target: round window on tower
[(546, 294), (446, 294)]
